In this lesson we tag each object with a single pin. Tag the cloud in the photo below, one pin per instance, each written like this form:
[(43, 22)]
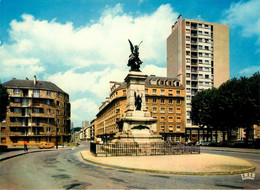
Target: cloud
[(83, 60), (245, 15), (155, 70), (96, 82), (250, 70), (83, 109)]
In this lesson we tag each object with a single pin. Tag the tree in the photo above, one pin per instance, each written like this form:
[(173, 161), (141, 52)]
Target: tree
[(4, 102), (235, 104)]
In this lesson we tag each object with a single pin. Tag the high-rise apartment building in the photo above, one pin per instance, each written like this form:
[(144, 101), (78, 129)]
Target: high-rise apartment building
[(198, 53), (39, 111)]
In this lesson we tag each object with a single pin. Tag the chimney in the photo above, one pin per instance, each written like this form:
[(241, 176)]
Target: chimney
[(34, 80)]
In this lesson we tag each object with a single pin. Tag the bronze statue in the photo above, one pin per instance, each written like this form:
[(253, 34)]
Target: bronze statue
[(134, 62), (138, 102)]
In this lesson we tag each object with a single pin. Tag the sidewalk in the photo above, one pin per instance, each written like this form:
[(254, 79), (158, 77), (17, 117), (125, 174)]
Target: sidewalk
[(229, 149), (19, 152), (188, 164)]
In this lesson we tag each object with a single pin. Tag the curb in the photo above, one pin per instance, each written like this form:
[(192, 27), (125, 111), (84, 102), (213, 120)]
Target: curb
[(248, 152), (20, 154), (235, 172)]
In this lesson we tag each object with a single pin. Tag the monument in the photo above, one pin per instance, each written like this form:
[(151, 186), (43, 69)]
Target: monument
[(138, 125)]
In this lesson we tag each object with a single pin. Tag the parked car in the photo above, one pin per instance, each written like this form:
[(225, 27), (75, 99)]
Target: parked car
[(222, 143), (204, 143), (212, 143), (46, 145)]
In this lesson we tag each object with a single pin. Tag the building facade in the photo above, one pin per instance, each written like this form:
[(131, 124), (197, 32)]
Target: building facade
[(198, 53), (164, 100), (39, 111)]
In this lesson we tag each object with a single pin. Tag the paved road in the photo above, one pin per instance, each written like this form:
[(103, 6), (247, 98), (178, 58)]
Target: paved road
[(65, 169)]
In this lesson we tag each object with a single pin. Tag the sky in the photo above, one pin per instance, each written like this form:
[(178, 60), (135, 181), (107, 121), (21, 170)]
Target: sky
[(81, 45)]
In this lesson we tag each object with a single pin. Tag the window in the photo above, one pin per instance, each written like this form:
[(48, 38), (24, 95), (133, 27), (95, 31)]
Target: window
[(48, 93), (207, 76), (162, 101), (178, 101), (58, 130), (162, 128), (146, 91), (48, 120), (162, 110), (187, 74), (170, 110), (25, 102), (17, 91), (162, 119), (57, 94), (170, 119), (48, 139), (146, 99), (3, 140), (200, 61), (178, 92), (154, 100), (124, 91), (200, 68), (57, 112), (154, 109), (17, 110), (37, 140), (36, 110), (36, 93), (188, 82), (58, 121), (187, 38), (58, 103), (170, 101), (170, 128), (154, 91), (48, 111), (48, 129), (17, 100), (187, 67), (162, 91), (48, 102), (3, 129)]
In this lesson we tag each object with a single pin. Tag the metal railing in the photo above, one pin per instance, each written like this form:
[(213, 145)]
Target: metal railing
[(141, 149)]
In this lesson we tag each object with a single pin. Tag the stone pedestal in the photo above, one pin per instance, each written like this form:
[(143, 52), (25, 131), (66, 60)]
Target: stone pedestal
[(138, 125)]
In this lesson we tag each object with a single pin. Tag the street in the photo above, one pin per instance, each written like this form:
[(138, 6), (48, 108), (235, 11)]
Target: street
[(64, 169)]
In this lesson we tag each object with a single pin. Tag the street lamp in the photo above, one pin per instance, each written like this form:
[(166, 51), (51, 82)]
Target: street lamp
[(56, 125)]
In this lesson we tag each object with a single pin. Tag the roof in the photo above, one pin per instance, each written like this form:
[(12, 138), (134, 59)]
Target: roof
[(148, 83), (29, 84)]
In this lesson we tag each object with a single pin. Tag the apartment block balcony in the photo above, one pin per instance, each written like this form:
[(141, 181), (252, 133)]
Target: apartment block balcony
[(19, 134)]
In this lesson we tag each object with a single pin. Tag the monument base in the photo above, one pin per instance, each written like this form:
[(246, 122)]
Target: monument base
[(138, 127)]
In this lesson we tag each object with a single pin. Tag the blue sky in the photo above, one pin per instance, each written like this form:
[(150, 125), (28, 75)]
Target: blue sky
[(81, 45)]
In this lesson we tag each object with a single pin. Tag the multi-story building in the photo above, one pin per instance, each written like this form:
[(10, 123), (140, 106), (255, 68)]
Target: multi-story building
[(198, 53), (39, 111), (164, 100)]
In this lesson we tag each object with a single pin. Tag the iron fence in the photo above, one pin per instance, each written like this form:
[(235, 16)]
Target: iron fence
[(141, 149)]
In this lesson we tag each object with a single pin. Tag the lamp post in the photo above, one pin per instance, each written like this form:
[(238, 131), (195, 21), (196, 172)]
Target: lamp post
[(56, 125)]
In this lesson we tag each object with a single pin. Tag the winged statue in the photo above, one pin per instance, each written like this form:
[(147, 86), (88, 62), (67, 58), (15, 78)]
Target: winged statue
[(134, 61)]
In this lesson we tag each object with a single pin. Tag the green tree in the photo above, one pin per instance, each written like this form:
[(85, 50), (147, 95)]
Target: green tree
[(235, 104), (4, 102)]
